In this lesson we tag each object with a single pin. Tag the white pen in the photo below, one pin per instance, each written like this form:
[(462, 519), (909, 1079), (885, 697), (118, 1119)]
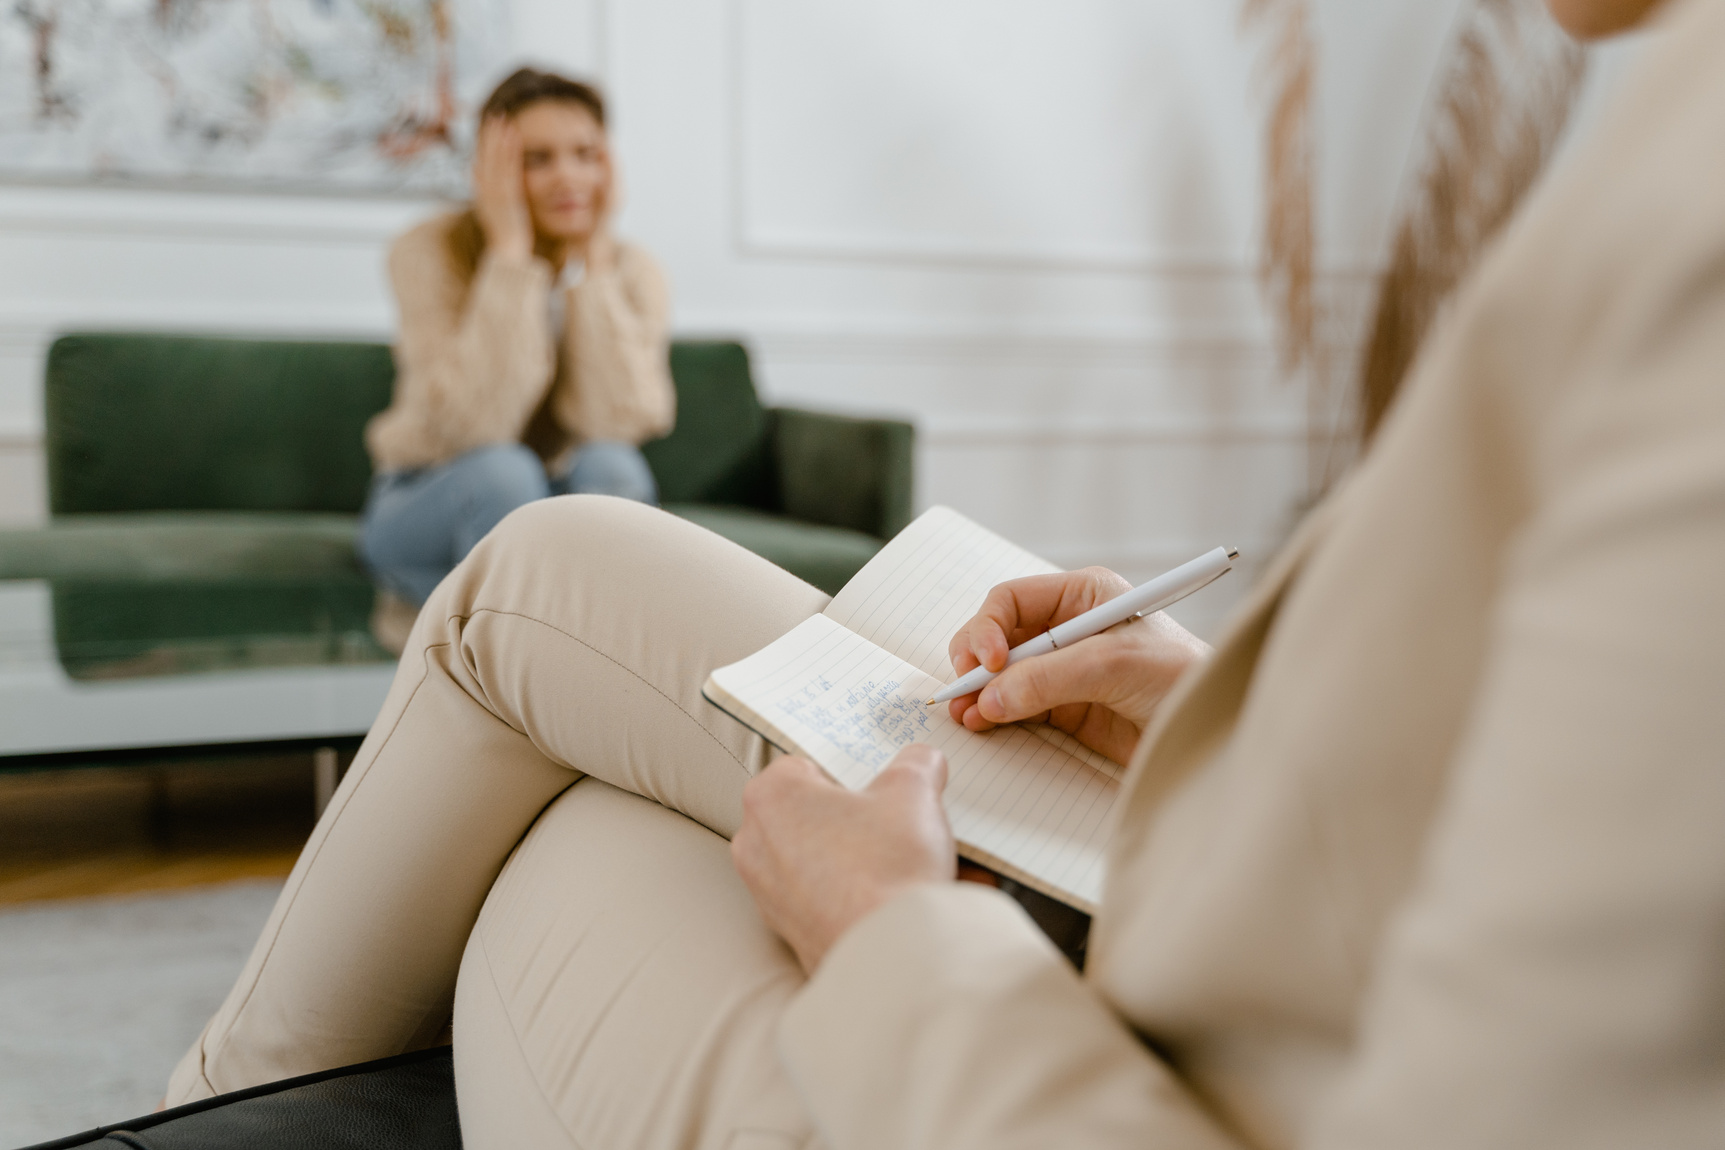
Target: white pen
[(1144, 599)]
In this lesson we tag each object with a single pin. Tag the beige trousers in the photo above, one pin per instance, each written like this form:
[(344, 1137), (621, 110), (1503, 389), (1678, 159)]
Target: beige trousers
[(533, 839)]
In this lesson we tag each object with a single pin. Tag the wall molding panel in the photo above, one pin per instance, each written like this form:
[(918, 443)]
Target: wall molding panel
[(907, 134), (1031, 229), (38, 324), (1027, 432), (35, 211)]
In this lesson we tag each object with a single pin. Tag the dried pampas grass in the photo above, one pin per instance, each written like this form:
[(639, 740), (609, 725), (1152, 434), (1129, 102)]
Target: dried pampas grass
[(1288, 68), (1504, 96)]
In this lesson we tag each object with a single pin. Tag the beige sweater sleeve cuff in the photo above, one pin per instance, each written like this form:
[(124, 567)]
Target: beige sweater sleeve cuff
[(945, 1019), (623, 385), (489, 383), (518, 280)]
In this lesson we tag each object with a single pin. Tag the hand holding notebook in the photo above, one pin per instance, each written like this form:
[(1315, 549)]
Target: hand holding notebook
[(846, 689)]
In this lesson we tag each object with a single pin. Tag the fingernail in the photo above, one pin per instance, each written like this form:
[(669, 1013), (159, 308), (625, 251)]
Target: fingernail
[(989, 702)]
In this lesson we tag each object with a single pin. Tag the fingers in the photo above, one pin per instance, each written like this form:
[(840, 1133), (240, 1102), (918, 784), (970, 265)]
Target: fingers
[(1034, 604), (1021, 608), (789, 777), (510, 169), (981, 642), (1014, 612), (497, 159), (500, 190), (785, 772), (609, 195), (490, 142), (919, 763), (1028, 690), (968, 715), (482, 150), (781, 783), (818, 858), (498, 131)]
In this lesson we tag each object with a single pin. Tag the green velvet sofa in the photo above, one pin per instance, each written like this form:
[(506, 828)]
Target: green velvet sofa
[(209, 488)]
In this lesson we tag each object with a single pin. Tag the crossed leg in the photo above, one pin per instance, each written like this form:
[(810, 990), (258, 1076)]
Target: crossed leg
[(619, 979)]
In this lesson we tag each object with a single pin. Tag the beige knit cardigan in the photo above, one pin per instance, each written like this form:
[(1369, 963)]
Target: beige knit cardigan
[(476, 363)]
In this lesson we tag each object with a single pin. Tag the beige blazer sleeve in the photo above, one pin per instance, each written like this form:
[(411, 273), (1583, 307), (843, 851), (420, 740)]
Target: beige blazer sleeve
[(1550, 972), (619, 381), (1557, 967), (1559, 964), (474, 362), (946, 1021)]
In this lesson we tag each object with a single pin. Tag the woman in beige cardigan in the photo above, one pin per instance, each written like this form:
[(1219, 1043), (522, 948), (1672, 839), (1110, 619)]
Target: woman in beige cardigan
[(1428, 853), (532, 353)]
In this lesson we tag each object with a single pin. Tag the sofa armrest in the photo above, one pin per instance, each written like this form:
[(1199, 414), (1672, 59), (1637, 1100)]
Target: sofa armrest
[(844, 471)]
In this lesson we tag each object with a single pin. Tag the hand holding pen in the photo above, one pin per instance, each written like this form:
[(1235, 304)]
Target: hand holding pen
[(1103, 689)]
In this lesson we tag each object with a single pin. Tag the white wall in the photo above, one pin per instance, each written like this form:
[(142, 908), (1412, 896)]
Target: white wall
[(1029, 226)]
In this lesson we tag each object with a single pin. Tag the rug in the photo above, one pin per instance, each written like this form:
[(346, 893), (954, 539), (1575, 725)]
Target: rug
[(100, 997)]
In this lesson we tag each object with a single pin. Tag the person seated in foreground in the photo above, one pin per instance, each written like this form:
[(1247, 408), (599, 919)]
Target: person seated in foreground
[(533, 348), (1426, 853)]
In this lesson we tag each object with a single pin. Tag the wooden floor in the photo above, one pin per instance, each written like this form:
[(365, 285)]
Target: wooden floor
[(97, 831)]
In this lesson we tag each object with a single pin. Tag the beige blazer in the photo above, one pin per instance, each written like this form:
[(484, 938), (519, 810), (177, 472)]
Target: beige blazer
[(1432, 852), (477, 363)]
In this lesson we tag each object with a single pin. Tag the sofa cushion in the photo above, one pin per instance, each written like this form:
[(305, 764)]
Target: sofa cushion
[(172, 423), (178, 592), (721, 449), (124, 628), (203, 545), (824, 556), (179, 423), (844, 470), (215, 546)]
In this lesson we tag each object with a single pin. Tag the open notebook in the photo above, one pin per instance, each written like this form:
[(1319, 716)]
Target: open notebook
[(846, 689)]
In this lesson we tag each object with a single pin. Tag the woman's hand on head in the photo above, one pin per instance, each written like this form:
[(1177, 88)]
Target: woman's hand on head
[(1103, 690), (600, 254), (499, 191), (599, 250)]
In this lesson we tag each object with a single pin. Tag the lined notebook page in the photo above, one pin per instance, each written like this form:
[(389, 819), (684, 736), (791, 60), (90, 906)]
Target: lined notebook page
[(914, 594), (1016, 801)]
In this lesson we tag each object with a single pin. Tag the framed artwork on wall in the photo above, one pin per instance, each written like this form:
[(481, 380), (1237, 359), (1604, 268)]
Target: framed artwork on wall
[(348, 96)]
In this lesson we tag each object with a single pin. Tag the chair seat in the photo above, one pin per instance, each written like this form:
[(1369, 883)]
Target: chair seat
[(401, 1103)]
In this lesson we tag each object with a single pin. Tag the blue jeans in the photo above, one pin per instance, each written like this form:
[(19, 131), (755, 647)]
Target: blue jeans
[(417, 525)]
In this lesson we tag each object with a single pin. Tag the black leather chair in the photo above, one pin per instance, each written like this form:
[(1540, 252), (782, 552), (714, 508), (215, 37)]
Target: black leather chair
[(401, 1103)]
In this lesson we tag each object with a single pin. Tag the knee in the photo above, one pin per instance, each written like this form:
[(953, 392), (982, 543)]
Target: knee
[(606, 467), (502, 477), (592, 538), (578, 523)]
